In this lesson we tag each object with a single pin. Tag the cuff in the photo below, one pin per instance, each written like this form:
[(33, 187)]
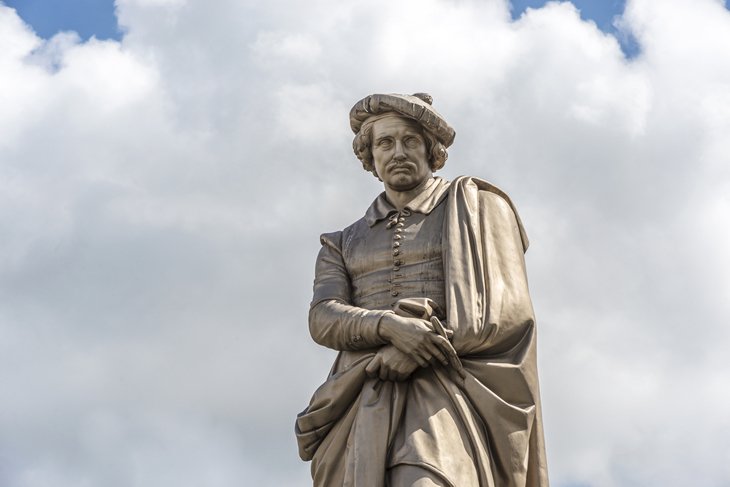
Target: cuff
[(365, 334)]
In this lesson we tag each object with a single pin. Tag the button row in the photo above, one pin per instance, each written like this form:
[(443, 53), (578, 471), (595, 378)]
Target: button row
[(397, 221)]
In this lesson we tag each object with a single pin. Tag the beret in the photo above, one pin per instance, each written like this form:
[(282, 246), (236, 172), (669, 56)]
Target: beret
[(417, 107)]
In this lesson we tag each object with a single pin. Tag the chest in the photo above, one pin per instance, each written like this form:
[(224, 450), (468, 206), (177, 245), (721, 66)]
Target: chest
[(398, 257)]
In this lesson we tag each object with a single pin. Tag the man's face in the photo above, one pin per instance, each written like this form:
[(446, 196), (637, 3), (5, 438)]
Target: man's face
[(399, 153)]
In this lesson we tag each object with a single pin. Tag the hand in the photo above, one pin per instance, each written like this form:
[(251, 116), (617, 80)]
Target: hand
[(391, 364), (415, 338)]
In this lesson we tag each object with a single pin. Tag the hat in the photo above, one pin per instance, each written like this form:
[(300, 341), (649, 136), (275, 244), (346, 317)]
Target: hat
[(417, 107)]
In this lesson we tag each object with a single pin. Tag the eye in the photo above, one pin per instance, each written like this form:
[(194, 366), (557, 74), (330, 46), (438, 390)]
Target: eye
[(412, 142), (384, 143)]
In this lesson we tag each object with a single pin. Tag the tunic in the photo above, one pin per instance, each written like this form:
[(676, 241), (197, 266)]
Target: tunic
[(385, 256), (478, 431)]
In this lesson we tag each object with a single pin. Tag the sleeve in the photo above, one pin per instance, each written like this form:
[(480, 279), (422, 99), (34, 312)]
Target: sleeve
[(333, 321)]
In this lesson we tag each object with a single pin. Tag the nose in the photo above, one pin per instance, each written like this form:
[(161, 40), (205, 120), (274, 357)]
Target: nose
[(399, 155)]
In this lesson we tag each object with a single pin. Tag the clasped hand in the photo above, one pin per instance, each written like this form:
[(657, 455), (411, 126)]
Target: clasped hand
[(413, 343)]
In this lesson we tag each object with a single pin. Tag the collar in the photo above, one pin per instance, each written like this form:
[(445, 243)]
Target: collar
[(428, 199)]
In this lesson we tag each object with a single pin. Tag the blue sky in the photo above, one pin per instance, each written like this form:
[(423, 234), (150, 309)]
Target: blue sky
[(602, 12), (96, 17), (86, 17)]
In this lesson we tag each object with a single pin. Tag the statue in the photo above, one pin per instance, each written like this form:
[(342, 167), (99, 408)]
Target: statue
[(426, 300)]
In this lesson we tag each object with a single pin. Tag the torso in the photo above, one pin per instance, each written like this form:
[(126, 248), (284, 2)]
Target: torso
[(399, 257)]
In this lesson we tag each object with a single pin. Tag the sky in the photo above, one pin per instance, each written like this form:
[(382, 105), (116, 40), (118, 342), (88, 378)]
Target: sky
[(97, 17), (165, 176)]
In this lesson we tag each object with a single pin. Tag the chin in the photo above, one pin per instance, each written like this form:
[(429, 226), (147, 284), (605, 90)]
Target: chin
[(406, 184)]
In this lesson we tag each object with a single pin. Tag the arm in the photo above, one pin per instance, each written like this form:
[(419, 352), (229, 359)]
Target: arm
[(333, 321), (341, 326), (344, 327)]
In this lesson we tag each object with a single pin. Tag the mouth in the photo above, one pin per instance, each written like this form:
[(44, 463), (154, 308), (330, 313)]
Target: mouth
[(399, 167)]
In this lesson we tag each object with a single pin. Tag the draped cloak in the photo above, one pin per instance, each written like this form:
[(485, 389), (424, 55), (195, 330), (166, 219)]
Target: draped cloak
[(350, 426)]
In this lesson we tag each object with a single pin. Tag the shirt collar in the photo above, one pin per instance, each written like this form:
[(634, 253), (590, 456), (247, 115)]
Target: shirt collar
[(428, 199)]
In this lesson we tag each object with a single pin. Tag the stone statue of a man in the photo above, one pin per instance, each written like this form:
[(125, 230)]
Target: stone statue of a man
[(426, 300)]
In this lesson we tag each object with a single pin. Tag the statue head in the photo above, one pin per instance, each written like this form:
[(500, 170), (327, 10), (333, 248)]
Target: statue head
[(414, 109)]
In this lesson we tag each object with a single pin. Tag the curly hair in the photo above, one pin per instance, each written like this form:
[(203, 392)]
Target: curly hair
[(363, 142)]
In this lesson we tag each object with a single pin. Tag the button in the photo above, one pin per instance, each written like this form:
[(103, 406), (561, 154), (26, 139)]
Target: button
[(396, 244), (399, 225), (396, 252), (396, 268), (401, 220), (397, 236), (397, 262), (394, 293), (356, 338)]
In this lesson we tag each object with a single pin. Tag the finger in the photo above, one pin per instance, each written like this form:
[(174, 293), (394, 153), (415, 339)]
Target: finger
[(453, 357), (456, 363), (435, 349), (383, 373), (438, 328), (372, 369), (447, 348), (422, 361), (427, 357)]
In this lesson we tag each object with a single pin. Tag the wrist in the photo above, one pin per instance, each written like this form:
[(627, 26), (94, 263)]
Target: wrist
[(385, 326)]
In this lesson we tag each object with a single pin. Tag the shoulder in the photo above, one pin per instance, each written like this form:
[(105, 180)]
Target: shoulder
[(482, 196), (338, 240), (331, 239), (481, 188)]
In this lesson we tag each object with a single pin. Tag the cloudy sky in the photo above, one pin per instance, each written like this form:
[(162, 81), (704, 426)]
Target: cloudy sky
[(166, 167)]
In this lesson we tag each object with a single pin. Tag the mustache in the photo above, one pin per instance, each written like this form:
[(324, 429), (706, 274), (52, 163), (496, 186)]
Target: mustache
[(394, 164)]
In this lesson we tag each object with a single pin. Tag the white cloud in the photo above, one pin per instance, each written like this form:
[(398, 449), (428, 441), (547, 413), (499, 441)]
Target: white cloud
[(161, 199)]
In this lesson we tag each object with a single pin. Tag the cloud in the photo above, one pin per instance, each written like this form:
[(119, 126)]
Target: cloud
[(161, 200)]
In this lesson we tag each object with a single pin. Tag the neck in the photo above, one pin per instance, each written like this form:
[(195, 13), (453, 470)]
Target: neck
[(400, 199)]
